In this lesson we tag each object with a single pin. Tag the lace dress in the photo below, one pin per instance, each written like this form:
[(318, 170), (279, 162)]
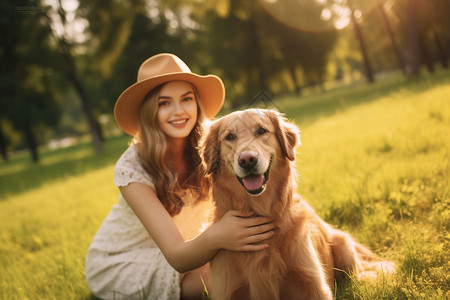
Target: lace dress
[(123, 262)]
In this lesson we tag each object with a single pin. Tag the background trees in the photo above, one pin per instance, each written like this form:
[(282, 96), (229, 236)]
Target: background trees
[(64, 63), (29, 62)]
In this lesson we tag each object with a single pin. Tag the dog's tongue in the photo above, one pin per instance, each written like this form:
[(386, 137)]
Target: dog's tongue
[(253, 182)]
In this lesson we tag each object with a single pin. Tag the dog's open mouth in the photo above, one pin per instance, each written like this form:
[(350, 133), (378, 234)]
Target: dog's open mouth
[(255, 184)]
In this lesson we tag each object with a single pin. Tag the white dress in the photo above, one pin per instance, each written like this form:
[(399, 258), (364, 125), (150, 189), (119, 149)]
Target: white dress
[(123, 262)]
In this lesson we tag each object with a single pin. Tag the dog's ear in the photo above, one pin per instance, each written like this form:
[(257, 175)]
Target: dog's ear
[(210, 147), (288, 134)]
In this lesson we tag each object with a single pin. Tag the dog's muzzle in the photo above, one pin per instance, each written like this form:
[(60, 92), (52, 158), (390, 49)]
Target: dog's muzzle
[(255, 184)]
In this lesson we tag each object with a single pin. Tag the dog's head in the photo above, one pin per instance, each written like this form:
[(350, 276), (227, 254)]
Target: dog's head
[(247, 143)]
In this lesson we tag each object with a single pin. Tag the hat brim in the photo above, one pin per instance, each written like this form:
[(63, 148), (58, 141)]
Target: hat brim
[(210, 88)]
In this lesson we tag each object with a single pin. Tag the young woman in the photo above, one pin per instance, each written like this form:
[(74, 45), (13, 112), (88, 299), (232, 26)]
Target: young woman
[(139, 252)]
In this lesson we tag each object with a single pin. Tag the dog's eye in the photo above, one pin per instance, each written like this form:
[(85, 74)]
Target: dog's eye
[(261, 131), (230, 137)]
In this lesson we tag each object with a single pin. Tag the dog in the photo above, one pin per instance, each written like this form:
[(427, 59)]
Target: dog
[(250, 157)]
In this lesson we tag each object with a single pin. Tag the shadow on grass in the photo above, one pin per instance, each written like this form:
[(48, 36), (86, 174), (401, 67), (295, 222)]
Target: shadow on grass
[(20, 175)]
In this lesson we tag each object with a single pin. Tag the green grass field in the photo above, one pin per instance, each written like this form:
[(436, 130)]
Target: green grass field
[(374, 162)]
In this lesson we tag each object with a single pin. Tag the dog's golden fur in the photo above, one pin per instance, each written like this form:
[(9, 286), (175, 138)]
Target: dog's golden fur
[(302, 255)]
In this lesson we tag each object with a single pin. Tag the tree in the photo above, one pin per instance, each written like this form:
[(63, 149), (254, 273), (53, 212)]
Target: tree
[(3, 144), (26, 59), (434, 28), (362, 44), (149, 35), (88, 63), (322, 17), (254, 52), (419, 20), (302, 51), (392, 38)]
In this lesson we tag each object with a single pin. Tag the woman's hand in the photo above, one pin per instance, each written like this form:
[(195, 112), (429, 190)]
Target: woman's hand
[(241, 232), (235, 231)]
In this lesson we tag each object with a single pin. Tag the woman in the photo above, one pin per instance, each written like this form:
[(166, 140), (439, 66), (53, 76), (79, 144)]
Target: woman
[(139, 251)]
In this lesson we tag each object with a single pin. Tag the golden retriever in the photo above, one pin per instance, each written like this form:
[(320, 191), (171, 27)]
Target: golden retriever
[(250, 155)]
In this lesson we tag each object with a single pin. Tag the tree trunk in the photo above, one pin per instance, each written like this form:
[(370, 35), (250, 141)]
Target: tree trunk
[(413, 40), (425, 55), (359, 36), (93, 126), (398, 54), (31, 141), (71, 73), (291, 70), (258, 56), (441, 49), (3, 151), (74, 79)]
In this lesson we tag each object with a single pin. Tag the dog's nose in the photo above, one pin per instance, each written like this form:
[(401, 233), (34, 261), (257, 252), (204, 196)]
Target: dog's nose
[(248, 159)]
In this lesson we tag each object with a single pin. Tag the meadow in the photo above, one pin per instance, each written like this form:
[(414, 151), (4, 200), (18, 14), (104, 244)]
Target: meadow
[(374, 161)]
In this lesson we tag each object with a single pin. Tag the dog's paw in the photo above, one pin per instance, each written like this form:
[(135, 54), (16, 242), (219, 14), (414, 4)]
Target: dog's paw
[(373, 270)]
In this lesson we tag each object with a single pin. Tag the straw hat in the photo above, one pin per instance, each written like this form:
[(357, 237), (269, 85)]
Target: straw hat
[(160, 69)]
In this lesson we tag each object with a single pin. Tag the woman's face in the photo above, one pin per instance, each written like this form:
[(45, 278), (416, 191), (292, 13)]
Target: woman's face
[(177, 109)]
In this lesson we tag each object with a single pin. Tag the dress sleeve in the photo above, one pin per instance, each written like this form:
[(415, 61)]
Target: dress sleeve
[(128, 169)]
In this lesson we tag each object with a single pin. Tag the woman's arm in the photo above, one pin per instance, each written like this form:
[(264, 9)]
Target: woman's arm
[(232, 232)]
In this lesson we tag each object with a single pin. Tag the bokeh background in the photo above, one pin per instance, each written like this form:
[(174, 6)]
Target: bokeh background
[(64, 63)]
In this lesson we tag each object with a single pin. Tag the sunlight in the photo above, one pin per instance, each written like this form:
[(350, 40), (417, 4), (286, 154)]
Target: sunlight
[(307, 15), (74, 29), (326, 14), (70, 5), (315, 15), (342, 15)]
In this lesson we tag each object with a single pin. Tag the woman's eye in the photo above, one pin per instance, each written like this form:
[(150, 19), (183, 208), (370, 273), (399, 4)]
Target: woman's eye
[(230, 137), (188, 99), (163, 103), (261, 131)]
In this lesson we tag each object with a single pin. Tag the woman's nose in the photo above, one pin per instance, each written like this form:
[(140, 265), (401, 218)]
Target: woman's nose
[(177, 108)]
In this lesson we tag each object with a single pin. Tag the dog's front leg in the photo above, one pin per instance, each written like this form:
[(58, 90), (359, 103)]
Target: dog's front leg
[(226, 280), (311, 278)]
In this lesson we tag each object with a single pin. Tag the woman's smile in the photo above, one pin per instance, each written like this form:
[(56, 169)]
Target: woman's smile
[(179, 123)]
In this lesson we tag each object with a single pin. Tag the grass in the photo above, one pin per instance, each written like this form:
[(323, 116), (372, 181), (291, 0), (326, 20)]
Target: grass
[(48, 215), (374, 162), (380, 169)]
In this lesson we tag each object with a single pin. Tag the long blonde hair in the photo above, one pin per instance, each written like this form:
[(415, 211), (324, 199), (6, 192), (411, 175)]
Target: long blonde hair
[(152, 148)]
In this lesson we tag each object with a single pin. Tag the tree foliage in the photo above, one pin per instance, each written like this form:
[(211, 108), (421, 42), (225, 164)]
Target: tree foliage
[(49, 54), (29, 65)]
